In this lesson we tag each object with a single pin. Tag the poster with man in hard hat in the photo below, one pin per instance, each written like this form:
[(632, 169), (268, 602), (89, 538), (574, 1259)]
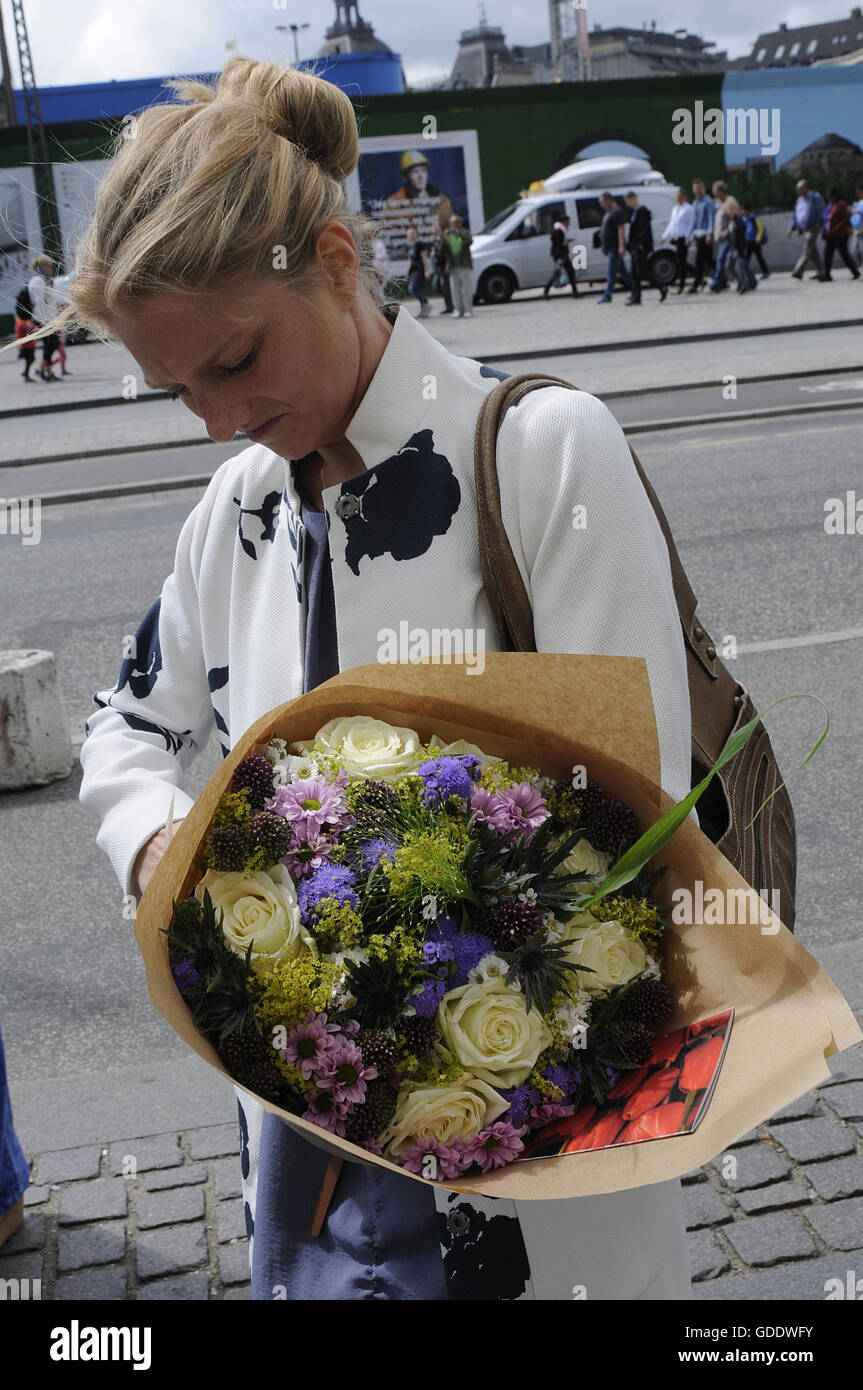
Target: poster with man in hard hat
[(417, 182)]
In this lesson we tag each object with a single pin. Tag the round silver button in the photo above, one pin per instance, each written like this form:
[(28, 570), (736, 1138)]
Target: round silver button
[(348, 504), (458, 1223)]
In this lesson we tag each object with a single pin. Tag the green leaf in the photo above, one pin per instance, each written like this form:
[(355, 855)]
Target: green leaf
[(635, 858)]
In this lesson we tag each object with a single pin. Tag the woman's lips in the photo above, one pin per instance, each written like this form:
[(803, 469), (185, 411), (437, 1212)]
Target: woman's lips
[(264, 429)]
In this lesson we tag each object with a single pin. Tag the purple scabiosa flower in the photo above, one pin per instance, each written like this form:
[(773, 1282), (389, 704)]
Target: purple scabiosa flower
[(330, 1114), (465, 948), (426, 1004), (448, 1159), (495, 1146), (346, 1074), (521, 1099), (373, 851), (329, 881), (308, 1044), (448, 776), (520, 807), (310, 806)]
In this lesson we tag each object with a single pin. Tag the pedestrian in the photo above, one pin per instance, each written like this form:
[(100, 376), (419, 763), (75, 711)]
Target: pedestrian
[(736, 263), (754, 237), (252, 616), (704, 210), (418, 269), (808, 221), (45, 306), (459, 266), (721, 242), (679, 232), (560, 255), (612, 240), (837, 230), (856, 220), (640, 247), (23, 329), (14, 1168), (440, 278)]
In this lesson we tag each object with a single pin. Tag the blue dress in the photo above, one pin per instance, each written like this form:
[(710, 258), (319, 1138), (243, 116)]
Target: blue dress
[(14, 1168), (380, 1239)]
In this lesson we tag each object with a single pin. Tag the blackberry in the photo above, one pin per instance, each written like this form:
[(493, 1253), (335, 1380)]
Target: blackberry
[(272, 833), (226, 849), (256, 773), (648, 1002), (510, 923), (367, 1120), (378, 1050), (419, 1034), (249, 1059)]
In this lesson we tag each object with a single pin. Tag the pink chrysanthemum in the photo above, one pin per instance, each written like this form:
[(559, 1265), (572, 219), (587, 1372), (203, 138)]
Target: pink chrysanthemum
[(306, 855), (309, 1044), (310, 805), (495, 1146), (346, 1075), (549, 1110), (521, 807), (449, 1159), (330, 1114)]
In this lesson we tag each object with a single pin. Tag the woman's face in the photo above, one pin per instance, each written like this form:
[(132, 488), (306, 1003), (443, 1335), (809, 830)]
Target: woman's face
[(301, 360)]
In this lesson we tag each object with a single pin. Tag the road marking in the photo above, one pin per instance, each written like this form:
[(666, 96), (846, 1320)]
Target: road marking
[(849, 634), (834, 386)]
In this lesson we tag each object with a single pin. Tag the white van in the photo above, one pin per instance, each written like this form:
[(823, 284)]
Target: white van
[(513, 250)]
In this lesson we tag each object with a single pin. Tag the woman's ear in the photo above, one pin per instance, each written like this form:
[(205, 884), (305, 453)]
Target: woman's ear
[(339, 260)]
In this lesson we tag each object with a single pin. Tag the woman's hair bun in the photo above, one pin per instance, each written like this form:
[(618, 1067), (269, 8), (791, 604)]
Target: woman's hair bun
[(313, 114)]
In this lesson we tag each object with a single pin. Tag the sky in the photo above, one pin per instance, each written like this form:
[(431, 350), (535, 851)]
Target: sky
[(146, 38)]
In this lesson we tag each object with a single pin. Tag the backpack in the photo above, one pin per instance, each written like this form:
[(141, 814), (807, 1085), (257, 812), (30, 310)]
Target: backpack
[(24, 304), (761, 236), (764, 853)]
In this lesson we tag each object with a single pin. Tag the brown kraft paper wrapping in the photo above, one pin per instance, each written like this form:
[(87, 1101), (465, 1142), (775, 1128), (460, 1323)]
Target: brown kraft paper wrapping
[(553, 712)]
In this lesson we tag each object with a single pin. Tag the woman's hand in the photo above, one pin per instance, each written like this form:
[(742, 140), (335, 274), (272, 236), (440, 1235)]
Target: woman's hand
[(148, 857)]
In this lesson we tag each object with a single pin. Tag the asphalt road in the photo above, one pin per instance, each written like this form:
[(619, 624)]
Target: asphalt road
[(746, 504)]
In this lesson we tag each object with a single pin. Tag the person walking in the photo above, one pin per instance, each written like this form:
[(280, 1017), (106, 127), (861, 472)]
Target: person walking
[(679, 231), (856, 221), (459, 266), (754, 236), (612, 240), (45, 305), (418, 269), (701, 236), (721, 242), (560, 256), (807, 222), (640, 247), (24, 330), (14, 1168), (440, 278), (736, 263), (252, 617), (837, 230)]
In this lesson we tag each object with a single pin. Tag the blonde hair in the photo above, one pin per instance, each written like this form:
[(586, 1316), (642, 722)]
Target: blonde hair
[(225, 187)]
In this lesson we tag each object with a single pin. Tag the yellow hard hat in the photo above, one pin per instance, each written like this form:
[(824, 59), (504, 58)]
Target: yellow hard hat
[(410, 158)]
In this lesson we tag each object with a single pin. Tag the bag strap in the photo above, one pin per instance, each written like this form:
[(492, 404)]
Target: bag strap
[(503, 582)]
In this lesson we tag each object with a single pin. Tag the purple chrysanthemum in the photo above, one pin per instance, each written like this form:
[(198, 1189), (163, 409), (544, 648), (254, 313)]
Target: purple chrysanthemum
[(305, 856), (373, 851), (346, 1075), (448, 776), (329, 881), (449, 1159), (549, 1110), (495, 1146), (310, 805), (520, 807), (309, 1043), (330, 1114)]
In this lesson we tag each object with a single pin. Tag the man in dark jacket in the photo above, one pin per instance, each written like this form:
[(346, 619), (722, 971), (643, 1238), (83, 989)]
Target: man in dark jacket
[(640, 246), (560, 255)]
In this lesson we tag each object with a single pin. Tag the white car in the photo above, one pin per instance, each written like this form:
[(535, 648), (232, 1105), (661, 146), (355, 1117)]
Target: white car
[(513, 250)]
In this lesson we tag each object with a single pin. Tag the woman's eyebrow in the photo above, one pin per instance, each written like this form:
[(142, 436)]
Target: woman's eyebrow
[(208, 362)]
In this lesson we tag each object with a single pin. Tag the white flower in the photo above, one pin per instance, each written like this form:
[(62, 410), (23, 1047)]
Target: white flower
[(460, 747), (488, 1027), (491, 967), (458, 1110), (259, 910), (367, 747), (294, 767), (528, 896), (574, 1018), (584, 859), (609, 951)]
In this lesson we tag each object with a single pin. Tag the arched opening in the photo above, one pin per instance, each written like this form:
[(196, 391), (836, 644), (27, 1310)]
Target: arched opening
[(631, 143)]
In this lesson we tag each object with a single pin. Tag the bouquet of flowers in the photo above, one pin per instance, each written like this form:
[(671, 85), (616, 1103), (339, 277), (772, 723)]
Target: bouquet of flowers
[(402, 942)]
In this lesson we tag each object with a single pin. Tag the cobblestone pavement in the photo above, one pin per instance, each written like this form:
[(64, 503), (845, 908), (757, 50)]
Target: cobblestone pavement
[(161, 1217)]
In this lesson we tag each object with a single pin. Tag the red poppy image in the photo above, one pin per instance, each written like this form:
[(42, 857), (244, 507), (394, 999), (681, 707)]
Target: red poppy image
[(700, 1063), (703, 1025), (629, 1081), (580, 1120), (667, 1048), (652, 1093), (655, 1124), (597, 1136)]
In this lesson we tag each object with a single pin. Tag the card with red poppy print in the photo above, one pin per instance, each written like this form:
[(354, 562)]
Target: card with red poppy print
[(668, 1095)]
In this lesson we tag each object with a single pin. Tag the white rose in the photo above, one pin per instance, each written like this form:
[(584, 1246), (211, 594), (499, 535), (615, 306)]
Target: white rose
[(584, 859), (260, 910), (368, 747), (491, 1032), (609, 951), (456, 1111)]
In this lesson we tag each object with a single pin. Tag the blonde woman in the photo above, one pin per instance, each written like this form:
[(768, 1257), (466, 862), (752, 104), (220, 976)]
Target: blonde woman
[(222, 253)]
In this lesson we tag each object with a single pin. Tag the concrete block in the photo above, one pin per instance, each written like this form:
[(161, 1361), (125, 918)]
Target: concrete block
[(35, 747)]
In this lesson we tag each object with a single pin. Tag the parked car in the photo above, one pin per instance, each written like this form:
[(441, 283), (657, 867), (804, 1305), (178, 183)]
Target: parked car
[(512, 252)]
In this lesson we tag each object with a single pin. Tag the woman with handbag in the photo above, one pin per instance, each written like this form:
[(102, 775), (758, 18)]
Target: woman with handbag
[(354, 509)]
